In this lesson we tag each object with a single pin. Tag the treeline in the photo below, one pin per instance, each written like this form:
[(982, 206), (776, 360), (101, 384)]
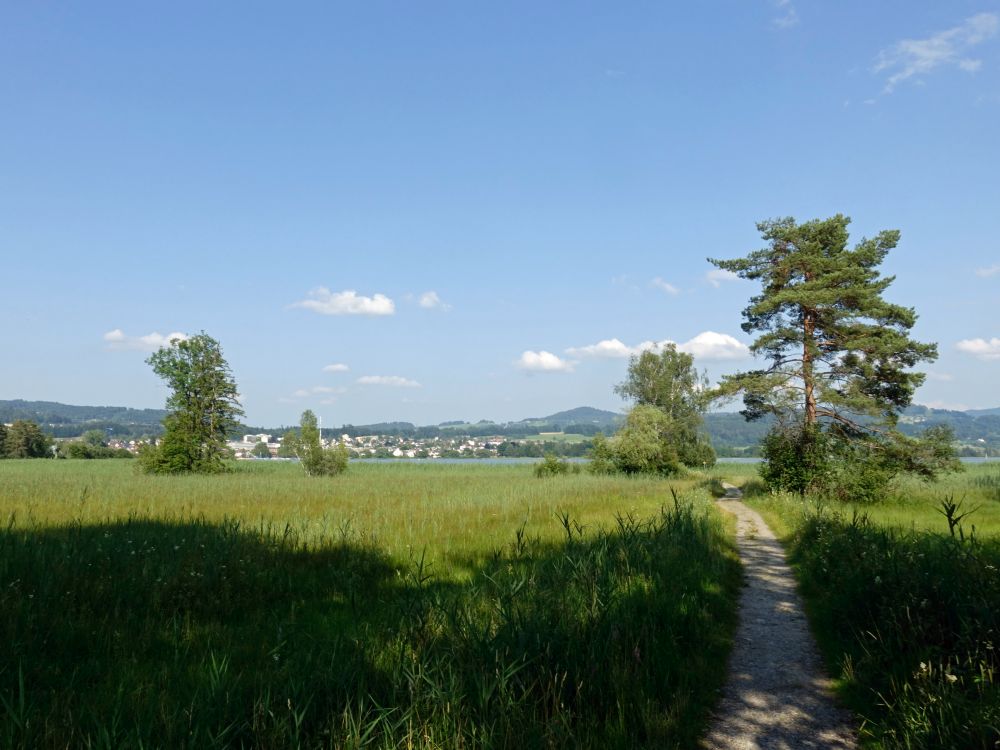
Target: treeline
[(67, 420)]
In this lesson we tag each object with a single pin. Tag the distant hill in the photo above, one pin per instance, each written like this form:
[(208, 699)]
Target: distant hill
[(983, 412), (581, 415), (730, 433), (66, 420)]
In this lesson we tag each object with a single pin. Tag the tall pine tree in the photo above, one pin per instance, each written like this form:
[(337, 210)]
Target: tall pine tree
[(838, 354)]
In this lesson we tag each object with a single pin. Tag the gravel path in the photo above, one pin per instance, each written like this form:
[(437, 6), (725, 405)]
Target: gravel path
[(777, 695)]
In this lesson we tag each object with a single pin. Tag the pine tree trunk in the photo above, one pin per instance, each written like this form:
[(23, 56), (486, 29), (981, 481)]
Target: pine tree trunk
[(809, 329)]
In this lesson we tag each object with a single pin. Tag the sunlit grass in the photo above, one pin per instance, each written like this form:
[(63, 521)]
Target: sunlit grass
[(396, 606), (906, 606), (453, 511)]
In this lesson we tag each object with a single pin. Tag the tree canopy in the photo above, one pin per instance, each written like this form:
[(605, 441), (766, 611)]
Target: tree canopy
[(203, 406), (25, 439), (669, 383), (838, 354), (317, 460), (836, 349)]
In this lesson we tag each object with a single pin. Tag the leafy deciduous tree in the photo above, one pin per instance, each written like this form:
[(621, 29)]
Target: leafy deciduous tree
[(317, 460), (670, 383), (289, 445), (203, 407)]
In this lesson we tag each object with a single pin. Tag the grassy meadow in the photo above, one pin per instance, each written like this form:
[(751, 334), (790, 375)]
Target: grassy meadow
[(399, 605), (905, 603)]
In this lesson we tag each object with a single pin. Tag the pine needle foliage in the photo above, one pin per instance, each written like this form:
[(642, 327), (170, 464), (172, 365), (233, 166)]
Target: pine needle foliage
[(839, 356)]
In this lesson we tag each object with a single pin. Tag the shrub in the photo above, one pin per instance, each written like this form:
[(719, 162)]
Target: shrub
[(551, 466), (795, 459)]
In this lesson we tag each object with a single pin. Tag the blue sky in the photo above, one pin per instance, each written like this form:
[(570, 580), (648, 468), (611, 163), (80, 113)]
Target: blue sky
[(459, 202)]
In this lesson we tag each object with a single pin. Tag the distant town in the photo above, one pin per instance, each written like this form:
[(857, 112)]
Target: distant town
[(388, 446)]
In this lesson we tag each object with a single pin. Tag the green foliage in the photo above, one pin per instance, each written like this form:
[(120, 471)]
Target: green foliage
[(668, 381), (839, 355), (602, 460), (81, 449), (3, 440), (851, 468), (25, 439), (289, 445), (836, 349), (260, 450), (910, 620), (644, 445), (551, 466), (203, 408), (317, 460), (796, 459), (94, 438)]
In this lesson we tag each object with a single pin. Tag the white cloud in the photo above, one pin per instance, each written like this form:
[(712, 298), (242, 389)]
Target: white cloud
[(941, 377), (706, 345), (914, 57), (543, 362), (347, 302), (665, 286), (317, 390), (712, 345), (431, 301), (338, 367), (789, 16), (606, 349), (981, 348), (716, 276), (118, 341), (987, 272), (394, 381)]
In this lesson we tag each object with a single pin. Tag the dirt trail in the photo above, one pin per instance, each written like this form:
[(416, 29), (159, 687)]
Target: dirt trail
[(777, 695)]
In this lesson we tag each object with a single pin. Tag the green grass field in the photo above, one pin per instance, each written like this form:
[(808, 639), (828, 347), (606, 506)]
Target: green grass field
[(906, 607), (399, 605)]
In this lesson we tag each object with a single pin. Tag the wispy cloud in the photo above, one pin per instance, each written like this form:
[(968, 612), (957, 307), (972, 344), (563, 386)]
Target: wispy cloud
[(915, 57), (318, 390), (431, 301), (393, 381), (716, 276), (338, 367), (985, 349), (665, 286), (118, 341), (941, 377), (712, 345), (788, 17), (347, 302), (987, 272), (707, 345), (947, 405), (608, 349), (543, 362)]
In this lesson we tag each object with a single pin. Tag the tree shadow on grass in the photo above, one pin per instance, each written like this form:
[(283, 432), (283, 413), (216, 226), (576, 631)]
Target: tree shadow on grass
[(206, 635)]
